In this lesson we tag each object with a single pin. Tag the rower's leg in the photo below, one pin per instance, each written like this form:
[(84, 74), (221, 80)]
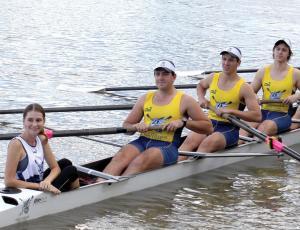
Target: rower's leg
[(269, 127), (212, 143), (122, 159), (191, 143), (151, 158)]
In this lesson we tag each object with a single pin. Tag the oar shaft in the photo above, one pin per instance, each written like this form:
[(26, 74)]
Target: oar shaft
[(96, 173), (82, 132), (126, 88), (69, 133), (216, 155), (239, 71), (245, 126), (291, 152), (74, 109)]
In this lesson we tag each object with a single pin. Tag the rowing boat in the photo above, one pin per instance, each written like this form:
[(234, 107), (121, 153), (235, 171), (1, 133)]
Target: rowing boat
[(19, 205)]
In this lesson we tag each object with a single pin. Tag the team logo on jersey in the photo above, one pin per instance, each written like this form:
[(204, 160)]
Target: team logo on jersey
[(221, 104), (158, 121), (276, 94)]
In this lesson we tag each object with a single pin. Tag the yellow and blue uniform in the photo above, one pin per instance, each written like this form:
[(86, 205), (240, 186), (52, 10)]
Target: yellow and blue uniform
[(228, 99), (157, 115), (273, 90)]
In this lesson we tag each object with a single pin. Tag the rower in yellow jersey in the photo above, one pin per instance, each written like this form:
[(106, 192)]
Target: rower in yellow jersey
[(226, 90), (165, 107), (277, 81)]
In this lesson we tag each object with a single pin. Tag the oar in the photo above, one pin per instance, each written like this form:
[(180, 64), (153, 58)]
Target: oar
[(213, 155), (80, 132), (189, 73), (99, 174), (86, 138), (127, 88), (239, 71), (74, 109), (271, 101), (274, 143)]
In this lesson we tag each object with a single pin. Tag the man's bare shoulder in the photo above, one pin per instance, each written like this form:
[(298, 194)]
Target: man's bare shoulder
[(188, 101)]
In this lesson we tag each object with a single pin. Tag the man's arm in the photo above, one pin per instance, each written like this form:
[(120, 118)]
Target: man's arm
[(257, 81), (253, 114), (294, 97), (202, 87), (135, 116), (198, 121)]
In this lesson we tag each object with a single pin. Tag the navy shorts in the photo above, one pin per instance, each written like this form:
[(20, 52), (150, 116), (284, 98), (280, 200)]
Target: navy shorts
[(282, 120), (230, 132), (168, 149)]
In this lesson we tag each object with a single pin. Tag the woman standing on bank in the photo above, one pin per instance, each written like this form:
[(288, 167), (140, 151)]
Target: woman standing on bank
[(26, 155)]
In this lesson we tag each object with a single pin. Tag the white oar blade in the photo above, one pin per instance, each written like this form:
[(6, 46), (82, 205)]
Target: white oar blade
[(72, 88), (189, 73)]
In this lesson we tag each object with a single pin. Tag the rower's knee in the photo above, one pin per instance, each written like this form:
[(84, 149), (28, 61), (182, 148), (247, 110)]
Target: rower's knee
[(268, 127), (212, 144), (148, 160), (121, 158), (192, 142)]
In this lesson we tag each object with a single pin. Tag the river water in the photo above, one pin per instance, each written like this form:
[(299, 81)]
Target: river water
[(55, 52)]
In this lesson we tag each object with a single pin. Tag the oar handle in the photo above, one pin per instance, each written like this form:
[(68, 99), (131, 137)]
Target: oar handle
[(270, 101), (224, 115), (157, 127)]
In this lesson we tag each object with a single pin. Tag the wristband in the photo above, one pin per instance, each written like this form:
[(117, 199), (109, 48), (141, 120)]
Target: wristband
[(48, 133)]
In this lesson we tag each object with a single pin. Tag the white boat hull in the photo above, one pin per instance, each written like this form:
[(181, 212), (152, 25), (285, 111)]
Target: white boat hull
[(33, 204)]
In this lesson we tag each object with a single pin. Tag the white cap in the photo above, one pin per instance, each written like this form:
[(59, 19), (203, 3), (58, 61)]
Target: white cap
[(233, 51), (285, 41), (165, 64)]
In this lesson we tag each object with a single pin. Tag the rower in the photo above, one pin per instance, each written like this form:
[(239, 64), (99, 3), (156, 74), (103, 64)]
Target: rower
[(278, 81), (166, 107), (227, 90)]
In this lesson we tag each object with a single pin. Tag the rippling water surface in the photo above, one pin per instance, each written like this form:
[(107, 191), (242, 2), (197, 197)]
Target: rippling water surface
[(55, 52)]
